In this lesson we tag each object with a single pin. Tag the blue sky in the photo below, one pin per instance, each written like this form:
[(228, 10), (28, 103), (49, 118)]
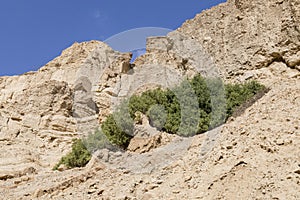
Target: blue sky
[(33, 32)]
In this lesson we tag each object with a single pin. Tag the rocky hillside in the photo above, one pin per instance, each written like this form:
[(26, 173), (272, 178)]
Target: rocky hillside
[(253, 156), (243, 36)]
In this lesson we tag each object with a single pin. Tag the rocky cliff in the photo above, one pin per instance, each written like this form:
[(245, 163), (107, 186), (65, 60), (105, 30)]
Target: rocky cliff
[(248, 35), (253, 156), (42, 111)]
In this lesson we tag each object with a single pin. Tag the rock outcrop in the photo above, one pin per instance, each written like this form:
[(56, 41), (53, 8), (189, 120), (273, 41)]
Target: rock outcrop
[(243, 35), (40, 112), (252, 156)]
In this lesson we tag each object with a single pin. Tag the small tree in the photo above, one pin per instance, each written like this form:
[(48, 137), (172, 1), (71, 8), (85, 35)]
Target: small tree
[(97, 140), (237, 94), (116, 133), (78, 157)]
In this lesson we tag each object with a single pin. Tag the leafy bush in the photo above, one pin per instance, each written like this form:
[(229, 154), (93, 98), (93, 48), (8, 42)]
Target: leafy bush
[(192, 107), (157, 116), (237, 94), (147, 99), (78, 157), (218, 102), (119, 134), (201, 89), (96, 141), (189, 113)]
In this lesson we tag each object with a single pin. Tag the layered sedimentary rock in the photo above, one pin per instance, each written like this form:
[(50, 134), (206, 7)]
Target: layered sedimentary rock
[(40, 112), (253, 156), (244, 35)]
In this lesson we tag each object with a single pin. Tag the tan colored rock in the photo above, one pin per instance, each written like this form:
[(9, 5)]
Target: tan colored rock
[(247, 35), (110, 84), (41, 112), (146, 144), (253, 156)]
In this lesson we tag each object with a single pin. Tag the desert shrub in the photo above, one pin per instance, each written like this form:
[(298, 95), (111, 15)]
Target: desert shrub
[(217, 103), (201, 89), (192, 107), (237, 94), (160, 106), (157, 116), (118, 128), (78, 157), (172, 107), (97, 140), (189, 108), (140, 103), (147, 99)]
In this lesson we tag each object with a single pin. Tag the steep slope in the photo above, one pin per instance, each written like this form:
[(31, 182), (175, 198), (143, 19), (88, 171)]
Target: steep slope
[(243, 35), (40, 112), (254, 156)]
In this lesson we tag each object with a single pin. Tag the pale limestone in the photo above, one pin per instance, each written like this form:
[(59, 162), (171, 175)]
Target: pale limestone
[(253, 156)]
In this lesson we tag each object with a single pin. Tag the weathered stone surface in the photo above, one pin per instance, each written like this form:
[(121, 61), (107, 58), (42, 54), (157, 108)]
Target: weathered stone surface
[(41, 112), (245, 35), (146, 144), (253, 156)]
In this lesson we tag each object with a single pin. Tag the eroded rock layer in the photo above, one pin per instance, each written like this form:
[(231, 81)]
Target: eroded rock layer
[(252, 156)]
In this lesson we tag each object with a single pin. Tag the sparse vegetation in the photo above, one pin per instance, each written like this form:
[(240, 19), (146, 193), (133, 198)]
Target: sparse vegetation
[(237, 94), (193, 107), (95, 141), (78, 157), (118, 128)]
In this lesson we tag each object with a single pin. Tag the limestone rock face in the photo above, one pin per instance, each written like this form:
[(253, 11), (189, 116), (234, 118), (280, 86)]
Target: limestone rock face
[(245, 35), (252, 156), (40, 112), (145, 144), (31, 109)]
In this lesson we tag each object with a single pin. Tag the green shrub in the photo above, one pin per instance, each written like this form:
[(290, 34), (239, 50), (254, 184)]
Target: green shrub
[(193, 107), (96, 141), (119, 133), (160, 106), (201, 89), (237, 94), (218, 102), (189, 113), (172, 107), (157, 116), (78, 157)]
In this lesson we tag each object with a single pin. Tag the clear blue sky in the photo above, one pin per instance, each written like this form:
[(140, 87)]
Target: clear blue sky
[(33, 32)]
